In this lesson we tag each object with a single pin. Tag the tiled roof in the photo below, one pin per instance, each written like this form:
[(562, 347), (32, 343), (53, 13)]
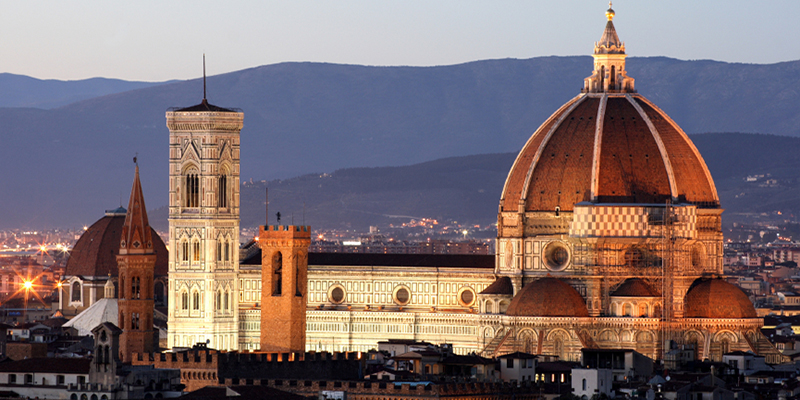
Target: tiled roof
[(715, 298), (548, 297), (501, 285), (618, 151), (95, 253), (635, 287)]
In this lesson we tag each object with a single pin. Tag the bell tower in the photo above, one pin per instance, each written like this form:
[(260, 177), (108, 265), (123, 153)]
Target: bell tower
[(284, 267), (136, 260), (204, 226)]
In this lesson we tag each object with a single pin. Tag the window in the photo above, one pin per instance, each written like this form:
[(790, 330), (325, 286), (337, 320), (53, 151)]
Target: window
[(510, 363), (135, 287), (184, 300), (195, 300), (227, 296), (223, 192), (218, 302), (277, 274), (28, 379), (76, 291), (196, 251), (583, 387), (59, 379), (219, 249), (227, 251), (192, 190), (135, 321), (184, 251), (12, 378)]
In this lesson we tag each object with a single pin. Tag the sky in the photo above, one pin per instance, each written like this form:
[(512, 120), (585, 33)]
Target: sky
[(156, 40)]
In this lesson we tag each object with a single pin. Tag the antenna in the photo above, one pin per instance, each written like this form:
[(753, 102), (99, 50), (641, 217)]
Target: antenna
[(204, 76)]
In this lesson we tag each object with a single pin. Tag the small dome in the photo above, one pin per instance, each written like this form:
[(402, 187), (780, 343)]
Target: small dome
[(548, 297), (715, 298), (501, 285), (635, 287), (95, 253)]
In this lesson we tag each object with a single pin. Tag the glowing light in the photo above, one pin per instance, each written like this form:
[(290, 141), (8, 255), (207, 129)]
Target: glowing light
[(86, 228), (60, 284), (28, 285), (43, 248)]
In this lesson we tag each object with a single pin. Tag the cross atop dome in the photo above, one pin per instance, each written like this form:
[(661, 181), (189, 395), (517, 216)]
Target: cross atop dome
[(609, 62)]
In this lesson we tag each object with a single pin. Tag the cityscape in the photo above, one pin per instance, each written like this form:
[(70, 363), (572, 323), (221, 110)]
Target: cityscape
[(608, 266)]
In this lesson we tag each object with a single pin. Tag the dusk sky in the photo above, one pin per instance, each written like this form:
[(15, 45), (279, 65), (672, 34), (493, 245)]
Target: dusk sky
[(160, 40)]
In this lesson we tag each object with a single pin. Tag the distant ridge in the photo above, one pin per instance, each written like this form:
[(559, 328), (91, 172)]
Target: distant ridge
[(25, 91), (63, 166)]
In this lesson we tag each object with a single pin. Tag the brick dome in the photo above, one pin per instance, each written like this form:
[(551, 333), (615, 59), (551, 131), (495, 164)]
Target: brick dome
[(548, 297), (607, 148), (95, 253), (715, 298)]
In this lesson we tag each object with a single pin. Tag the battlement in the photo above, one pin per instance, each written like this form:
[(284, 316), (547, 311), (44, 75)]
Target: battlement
[(285, 231), (524, 390)]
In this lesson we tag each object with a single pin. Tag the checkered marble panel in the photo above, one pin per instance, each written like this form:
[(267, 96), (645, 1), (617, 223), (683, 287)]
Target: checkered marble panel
[(631, 221)]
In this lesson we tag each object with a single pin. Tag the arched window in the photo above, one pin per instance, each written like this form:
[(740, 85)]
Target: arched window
[(227, 296), (612, 81), (219, 249), (222, 200), (195, 300), (227, 250), (298, 288), (122, 321), (184, 300), (106, 355), (192, 189), (628, 310), (642, 310), (218, 302), (602, 77), (277, 274), (135, 288), (76, 291), (135, 321), (184, 250), (196, 251)]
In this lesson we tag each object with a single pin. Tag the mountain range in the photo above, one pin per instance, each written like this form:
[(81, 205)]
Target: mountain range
[(62, 166)]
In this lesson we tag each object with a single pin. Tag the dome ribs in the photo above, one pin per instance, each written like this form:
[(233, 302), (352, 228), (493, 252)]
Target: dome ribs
[(630, 166), (515, 182), (561, 176), (693, 181)]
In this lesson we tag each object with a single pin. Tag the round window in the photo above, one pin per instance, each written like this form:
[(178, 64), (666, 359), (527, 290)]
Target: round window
[(556, 256), (466, 297), (336, 294), (402, 296)]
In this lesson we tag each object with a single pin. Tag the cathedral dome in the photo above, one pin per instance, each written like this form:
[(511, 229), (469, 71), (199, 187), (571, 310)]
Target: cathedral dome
[(715, 298), (95, 253), (548, 297), (609, 144)]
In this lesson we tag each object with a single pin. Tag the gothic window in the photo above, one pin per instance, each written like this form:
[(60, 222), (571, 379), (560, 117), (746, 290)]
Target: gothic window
[(227, 250), (218, 302), (219, 249), (192, 189), (222, 200), (298, 290), (612, 82), (277, 274), (135, 321), (195, 300), (184, 251), (106, 355), (227, 304), (196, 251), (184, 300), (76, 291), (135, 288)]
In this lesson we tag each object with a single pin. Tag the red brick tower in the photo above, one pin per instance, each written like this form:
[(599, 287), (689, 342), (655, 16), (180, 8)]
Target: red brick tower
[(284, 266), (136, 261)]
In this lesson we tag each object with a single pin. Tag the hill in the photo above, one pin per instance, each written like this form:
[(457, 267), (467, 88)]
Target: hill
[(62, 167)]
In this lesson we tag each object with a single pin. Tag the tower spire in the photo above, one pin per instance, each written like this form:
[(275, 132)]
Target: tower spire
[(136, 235)]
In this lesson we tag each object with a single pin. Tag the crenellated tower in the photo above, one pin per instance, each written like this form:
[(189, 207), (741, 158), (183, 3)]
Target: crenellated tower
[(204, 226), (284, 276), (137, 261)]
